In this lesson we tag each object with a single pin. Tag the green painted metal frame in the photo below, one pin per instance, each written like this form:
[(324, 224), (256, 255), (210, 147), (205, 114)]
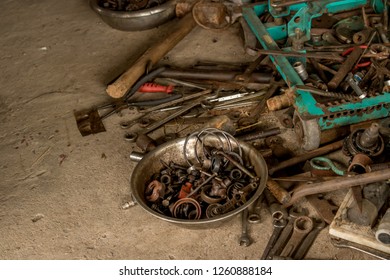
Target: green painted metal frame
[(305, 104)]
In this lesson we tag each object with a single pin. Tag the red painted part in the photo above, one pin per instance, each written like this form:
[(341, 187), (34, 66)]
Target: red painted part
[(185, 190), (152, 87)]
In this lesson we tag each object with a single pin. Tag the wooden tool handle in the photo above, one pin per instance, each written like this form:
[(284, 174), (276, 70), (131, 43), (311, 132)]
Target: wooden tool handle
[(151, 56)]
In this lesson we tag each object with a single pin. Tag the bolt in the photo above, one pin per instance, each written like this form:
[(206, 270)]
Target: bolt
[(353, 84), (369, 137)]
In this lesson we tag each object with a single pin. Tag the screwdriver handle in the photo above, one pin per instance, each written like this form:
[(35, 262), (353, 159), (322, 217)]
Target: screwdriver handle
[(153, 87)]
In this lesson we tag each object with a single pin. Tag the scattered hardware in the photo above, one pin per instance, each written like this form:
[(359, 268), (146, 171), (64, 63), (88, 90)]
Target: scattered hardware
[(344, 64), (325, 63)]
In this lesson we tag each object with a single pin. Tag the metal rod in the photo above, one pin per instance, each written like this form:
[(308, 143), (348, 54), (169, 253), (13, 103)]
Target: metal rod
[(326, 68), (327, 93), (179, 82), (177, 101), (322, 55), (306, 156), (201, 185), (237, 164), (260, 134), (195, 74), (338, 183)]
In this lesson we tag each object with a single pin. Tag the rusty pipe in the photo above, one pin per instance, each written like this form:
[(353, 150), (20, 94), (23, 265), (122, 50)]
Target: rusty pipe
[(306, 156), (337, 184)]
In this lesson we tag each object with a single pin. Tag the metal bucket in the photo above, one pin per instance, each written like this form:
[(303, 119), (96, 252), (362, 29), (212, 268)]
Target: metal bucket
[(136, 20), (173, 151)]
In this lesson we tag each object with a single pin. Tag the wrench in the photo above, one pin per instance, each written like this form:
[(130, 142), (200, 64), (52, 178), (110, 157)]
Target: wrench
[(144, 112), (342, 243), (276, 210), (286, 233), (161, 122), (300, 253), (254, 217), (129, 124), (278, 225), (302, 226), (244, 239)]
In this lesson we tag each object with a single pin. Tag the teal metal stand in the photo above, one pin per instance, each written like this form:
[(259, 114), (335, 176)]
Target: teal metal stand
[(313, 116)]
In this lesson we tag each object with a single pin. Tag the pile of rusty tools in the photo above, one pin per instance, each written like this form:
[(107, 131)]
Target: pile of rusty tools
[(314, 102)]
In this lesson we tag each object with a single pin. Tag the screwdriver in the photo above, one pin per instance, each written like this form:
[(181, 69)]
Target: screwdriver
[(153, 87)]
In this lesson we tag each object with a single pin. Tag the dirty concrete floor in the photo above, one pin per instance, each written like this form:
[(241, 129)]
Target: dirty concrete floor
[(61, 193)]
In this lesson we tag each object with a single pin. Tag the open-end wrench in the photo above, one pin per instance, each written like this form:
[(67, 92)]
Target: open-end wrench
[(244, 239), (300, 253), (286, 233), (302, 226), (279, 225)]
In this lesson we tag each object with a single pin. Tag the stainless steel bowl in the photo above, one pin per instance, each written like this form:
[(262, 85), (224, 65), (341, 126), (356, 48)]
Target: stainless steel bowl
[(173, 151), (136, 20)]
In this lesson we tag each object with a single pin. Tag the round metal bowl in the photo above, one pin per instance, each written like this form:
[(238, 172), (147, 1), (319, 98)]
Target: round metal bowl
[(173, 151), (136, 20)]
